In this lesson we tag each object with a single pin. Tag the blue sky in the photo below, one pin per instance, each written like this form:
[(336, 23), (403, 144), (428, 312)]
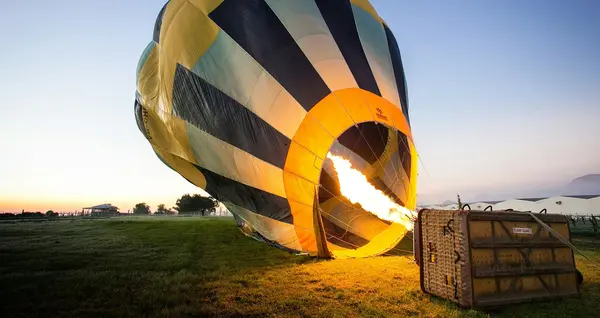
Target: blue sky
[(503, 95)]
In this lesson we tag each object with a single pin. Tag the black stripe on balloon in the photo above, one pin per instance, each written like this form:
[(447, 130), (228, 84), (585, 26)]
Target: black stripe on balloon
[(398, 70), (342, 237), (404, 153), (256, 28), (204, 106), (329, 187), (158, 23), (340, 20), (367, 140), (253, 199), (139, 119)]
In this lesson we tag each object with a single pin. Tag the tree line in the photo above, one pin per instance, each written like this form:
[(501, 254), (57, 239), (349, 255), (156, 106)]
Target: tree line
[(186, 205), (29, 215)]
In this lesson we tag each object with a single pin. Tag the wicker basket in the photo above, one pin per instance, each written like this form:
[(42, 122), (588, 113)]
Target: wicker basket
[(491, 258)]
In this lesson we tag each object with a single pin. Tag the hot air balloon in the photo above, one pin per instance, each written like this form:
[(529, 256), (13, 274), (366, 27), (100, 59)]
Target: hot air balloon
[(292, 113)]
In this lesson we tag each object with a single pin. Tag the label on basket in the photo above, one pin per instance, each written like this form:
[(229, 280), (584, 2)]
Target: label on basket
[(522, 230)]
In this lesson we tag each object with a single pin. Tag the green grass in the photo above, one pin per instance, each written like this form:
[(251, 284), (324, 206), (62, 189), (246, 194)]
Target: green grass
[(150, 266)]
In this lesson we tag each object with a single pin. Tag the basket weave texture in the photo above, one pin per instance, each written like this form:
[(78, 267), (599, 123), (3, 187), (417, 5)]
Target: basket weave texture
[(444, 254)]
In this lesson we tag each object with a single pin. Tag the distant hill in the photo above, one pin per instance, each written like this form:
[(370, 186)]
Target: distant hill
[(584, 185)]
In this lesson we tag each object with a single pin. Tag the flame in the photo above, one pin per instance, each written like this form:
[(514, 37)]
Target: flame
[(355, 186)]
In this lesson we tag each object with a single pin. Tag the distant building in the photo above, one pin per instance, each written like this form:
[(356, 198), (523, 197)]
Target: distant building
[(106, 209), (567, 205)]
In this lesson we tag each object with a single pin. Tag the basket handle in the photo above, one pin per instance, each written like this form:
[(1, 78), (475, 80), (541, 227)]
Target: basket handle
[(448, 227)]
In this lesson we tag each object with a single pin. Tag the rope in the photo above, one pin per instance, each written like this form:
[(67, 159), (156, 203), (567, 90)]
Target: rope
[(563, 240)]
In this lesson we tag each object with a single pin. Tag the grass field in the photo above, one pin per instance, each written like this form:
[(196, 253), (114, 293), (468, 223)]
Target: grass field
[(152, 266)]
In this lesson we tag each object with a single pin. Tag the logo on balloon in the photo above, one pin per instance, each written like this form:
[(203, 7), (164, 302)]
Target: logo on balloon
[(380, 114), (146, 120)]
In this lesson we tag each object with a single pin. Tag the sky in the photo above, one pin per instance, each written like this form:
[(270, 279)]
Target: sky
[(504, 98)]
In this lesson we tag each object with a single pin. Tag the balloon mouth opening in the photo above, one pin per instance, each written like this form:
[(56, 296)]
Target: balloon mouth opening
[(382, 156)]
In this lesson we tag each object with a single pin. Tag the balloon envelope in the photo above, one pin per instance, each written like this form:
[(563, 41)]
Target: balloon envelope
[(246, 99)]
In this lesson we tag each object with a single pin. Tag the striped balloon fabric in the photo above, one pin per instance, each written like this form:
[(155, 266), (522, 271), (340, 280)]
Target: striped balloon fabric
[(246, 98)]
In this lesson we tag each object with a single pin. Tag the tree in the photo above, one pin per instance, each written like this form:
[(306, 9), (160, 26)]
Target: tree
[(460, 206), (207, 204), (161, 210), (189, 204), (141, 208), (51, 213), (184, 204)]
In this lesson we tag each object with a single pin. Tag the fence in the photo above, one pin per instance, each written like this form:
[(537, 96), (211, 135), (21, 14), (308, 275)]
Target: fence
[(584, 224)]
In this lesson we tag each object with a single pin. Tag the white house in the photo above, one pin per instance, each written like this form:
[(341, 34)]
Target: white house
[(481, 205), (517, 205), (453, 206), (595, 205), (567, 205)]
